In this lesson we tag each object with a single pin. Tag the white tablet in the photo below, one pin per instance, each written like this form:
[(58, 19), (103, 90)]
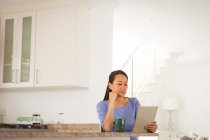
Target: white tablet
[(145, 115)]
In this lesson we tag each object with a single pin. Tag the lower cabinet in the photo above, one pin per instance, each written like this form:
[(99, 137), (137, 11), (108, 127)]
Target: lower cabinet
[(169, 135)]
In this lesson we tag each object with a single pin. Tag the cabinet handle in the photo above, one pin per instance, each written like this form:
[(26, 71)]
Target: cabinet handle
[(37, 75), (169, 135), (13, 76), (17, 76)]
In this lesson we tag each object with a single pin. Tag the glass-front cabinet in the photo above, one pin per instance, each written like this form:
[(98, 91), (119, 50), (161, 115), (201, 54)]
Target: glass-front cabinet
[(17, 50)]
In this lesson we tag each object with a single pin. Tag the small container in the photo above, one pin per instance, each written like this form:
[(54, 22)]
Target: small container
[(60, 118)]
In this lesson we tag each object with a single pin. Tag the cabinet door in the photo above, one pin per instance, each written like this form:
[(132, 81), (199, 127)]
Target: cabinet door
[(8, 50), (25, 51), (82, 48), (15, 49), (55, 47)]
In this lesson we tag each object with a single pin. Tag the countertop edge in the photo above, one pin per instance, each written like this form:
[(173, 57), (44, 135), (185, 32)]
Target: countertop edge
[(56, 134)]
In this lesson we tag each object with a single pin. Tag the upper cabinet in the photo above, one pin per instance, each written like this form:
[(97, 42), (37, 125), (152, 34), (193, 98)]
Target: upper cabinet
[(52, 50), (62, 47), (17, 50)]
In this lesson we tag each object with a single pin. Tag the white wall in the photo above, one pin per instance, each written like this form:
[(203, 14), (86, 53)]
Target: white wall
[(178, 26), (78, 105), (194, 94), (189, 83)]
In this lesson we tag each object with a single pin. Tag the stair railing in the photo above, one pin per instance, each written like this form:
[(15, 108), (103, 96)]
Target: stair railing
[(130, 65)]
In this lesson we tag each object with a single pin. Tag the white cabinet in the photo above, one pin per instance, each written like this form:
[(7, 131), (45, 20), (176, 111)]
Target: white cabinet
[(52, 50), (17, 50), (62, 47)]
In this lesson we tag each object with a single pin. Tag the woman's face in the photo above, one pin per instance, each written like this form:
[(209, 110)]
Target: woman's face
[(119, 85)]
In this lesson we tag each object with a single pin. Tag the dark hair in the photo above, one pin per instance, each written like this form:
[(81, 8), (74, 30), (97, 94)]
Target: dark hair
[(111, 79)]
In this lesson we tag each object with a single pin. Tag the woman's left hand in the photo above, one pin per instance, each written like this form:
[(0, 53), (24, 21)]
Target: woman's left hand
[(151, 127)]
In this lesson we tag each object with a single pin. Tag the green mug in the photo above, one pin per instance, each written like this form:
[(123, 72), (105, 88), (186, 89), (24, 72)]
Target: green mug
[(119, 125)]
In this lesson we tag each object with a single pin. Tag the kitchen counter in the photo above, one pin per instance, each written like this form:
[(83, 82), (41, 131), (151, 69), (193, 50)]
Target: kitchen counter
[(67, 131), (33, 133)]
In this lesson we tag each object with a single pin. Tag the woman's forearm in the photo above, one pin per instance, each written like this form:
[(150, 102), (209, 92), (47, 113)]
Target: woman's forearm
[(109, 119)]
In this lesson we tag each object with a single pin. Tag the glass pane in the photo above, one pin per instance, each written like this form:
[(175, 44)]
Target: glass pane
[(26, 49), (8, 51)]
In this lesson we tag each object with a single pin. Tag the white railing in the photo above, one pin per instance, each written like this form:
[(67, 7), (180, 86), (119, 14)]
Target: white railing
[(141, 65)]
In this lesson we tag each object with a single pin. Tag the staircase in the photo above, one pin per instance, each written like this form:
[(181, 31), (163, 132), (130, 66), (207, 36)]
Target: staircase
[(143, 68)]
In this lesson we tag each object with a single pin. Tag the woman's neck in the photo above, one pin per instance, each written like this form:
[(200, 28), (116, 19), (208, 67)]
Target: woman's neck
[(121, 101)]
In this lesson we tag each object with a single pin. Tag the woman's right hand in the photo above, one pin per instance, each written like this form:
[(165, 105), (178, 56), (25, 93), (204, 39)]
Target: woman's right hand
[(113, 96), (109, 119)]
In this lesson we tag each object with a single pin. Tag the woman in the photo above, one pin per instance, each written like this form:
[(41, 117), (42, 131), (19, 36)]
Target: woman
[(115, 105)]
